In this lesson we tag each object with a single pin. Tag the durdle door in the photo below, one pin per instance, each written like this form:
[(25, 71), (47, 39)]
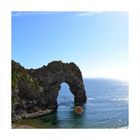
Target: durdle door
[(35, 91)]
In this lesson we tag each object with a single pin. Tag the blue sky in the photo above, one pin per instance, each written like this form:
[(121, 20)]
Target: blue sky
[(96, 41)]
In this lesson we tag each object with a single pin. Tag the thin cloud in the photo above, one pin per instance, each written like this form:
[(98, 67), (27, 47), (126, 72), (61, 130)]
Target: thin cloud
[(19, 14), (31, 13), (85, 14)]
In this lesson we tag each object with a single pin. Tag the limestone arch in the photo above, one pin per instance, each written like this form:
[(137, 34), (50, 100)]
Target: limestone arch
[(51, 77), (77, 91)]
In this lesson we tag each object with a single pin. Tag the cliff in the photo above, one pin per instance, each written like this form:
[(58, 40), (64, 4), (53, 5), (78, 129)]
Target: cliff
[(35, 91)]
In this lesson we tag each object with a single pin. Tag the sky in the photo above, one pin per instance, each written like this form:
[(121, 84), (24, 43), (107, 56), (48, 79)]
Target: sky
[(96, 41)]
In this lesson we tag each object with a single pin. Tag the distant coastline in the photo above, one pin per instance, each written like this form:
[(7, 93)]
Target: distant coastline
[(106, 78)]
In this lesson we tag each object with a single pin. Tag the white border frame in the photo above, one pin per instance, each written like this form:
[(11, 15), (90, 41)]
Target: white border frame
[(72, 5)]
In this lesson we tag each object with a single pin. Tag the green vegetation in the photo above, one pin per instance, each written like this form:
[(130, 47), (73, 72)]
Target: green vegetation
[(16, 76), (14, 80), (33, 83)]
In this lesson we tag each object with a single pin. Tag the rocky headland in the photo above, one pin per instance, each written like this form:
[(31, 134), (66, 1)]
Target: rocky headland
[(35, 91)]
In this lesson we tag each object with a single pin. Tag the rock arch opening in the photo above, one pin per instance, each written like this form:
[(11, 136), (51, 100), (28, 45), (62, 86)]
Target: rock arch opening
[(65, 97)]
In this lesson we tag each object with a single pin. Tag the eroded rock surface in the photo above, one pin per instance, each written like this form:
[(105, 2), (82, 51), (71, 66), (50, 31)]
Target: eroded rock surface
[(35, 91)]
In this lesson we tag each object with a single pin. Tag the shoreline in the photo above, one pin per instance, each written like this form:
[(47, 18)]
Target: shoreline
[(31, 115), (18, 126)]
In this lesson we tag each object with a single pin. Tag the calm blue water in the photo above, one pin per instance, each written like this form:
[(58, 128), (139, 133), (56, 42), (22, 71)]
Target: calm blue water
[(106, 107)]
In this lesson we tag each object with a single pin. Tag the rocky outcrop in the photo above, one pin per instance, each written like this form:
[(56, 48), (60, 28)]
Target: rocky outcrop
[(35, 91)]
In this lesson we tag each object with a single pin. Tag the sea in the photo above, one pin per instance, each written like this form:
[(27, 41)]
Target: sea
[(106, 107)]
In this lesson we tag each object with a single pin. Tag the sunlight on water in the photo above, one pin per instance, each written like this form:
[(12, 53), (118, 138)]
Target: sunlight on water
[(121, 99)]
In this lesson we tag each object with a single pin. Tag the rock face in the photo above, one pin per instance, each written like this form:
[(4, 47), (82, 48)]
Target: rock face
[(35, 91)]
